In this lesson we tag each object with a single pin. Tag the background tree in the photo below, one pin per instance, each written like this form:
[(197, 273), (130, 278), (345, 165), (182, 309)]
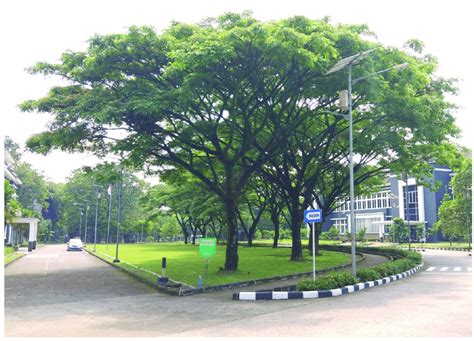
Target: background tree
[(33, 192), (12, 147), (455, 215), (12, 206), (81, 188), (398, 231)]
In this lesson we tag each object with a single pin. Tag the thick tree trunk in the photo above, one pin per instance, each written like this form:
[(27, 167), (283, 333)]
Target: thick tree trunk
[(246, 231), (296, 248), (232, 257), (276, 225), (194, 229), (296, 220)]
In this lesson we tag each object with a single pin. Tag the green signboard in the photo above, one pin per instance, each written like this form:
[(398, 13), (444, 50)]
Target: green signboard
[(207, 247)]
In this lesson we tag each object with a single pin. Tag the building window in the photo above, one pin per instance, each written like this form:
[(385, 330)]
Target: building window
[(340, 224), (411, 210), (371, 224), (370, 202)]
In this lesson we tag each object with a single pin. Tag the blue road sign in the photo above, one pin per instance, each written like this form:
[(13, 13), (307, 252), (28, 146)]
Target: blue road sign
[(313, 216)]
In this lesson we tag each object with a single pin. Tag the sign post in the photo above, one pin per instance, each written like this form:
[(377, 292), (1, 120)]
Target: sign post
[(207, 248), (313, 216)]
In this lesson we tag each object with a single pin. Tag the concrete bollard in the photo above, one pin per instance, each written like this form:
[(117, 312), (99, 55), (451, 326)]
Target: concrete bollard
[(163, 280)]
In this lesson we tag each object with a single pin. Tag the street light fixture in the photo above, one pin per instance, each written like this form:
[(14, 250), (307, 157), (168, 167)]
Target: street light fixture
[(343, 63)]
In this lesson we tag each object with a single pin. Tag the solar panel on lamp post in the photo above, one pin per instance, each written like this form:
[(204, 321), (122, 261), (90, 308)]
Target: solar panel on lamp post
[(343, 63)]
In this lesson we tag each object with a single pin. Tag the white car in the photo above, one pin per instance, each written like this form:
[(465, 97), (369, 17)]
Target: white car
[(74, 245)]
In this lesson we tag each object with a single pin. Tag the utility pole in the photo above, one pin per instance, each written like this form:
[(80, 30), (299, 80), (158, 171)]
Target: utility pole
[(109, 192), (407, 206), (96, 214), (117, 260)]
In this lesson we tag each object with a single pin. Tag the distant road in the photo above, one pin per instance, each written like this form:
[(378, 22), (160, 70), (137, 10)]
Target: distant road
[(57, 293)]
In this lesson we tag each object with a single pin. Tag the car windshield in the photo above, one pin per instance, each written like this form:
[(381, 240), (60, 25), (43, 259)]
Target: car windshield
[(75, 241)]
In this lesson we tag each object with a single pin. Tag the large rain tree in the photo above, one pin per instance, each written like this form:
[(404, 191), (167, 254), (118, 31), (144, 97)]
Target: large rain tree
[(218, 100), (195, 97), (402, 123)]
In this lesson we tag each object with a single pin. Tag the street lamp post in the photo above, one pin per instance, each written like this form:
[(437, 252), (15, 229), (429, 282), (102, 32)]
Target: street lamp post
[(117, 260), (96, 214), (85, 226), (80, 222), (109, 192), (407, 206), (343, 63)]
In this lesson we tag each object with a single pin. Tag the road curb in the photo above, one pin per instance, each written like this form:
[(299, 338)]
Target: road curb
[(438, 248), (282, 295), (162, 289), (23, 255), (14, 260)]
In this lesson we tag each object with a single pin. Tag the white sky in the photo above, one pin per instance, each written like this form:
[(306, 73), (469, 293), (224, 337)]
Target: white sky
[(41, 30)]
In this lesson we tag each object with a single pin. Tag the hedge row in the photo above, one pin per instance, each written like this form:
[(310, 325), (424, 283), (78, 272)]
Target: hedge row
[(407, 260), (327, 282), (385, 270)]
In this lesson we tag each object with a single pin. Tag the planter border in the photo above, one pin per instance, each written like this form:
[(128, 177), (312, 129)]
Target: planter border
[(282, 295), (23, 254), (160, 288), (14, 260)]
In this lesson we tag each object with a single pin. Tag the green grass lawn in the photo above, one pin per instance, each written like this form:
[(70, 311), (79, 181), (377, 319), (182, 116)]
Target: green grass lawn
[(9, 255), (185, 265), (7, 250)]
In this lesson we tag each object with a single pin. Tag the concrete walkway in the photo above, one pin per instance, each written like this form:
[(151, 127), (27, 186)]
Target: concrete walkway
[(52, 275)]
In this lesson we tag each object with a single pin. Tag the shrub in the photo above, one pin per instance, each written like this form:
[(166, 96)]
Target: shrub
[(393, 268), (332, 280), (333, 233), (367, 274), (415, 257), (285, 234), (149, 239), (360, 234), (324, 235)]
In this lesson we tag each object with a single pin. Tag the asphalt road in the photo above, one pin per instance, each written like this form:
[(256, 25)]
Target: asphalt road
[(57, 293)]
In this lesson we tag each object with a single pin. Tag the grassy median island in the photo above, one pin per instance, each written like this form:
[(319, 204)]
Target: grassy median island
[(9, 255), (184, 264)]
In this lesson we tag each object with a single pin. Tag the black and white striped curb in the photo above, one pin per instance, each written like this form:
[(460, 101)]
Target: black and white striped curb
[(416, 248), (440, 248), (287, 295)]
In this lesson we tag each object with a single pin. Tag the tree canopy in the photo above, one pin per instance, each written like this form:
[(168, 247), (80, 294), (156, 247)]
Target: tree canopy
[(233, 96)]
